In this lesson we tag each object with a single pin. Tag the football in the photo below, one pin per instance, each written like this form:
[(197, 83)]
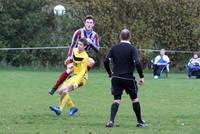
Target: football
[(59, 10)]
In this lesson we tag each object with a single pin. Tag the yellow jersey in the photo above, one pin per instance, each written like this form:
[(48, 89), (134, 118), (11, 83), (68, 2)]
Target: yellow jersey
[(80, 61)]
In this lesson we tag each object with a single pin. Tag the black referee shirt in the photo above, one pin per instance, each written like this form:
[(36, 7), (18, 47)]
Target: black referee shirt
[(125, 59)]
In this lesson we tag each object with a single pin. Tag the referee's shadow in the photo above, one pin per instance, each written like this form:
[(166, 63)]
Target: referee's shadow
[(101, 121)]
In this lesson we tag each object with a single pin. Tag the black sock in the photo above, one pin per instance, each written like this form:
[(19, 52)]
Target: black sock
[(137, 110), (114, 109)]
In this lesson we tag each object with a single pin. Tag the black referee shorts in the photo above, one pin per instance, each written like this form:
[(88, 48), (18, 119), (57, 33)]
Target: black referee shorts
[(120, 84)]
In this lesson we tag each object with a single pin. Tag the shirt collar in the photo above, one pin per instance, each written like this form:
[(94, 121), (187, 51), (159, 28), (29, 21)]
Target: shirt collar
[(125, 41), (87, 30)]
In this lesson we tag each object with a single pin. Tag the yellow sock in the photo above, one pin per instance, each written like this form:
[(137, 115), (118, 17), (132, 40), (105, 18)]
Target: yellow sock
[(69, 101), (63, 102)]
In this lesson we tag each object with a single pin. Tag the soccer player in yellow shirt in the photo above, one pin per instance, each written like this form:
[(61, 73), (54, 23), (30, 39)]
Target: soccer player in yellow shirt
[(80, 60)]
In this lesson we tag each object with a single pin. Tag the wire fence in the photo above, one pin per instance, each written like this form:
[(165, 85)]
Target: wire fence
[(66, 47), (54, 56)]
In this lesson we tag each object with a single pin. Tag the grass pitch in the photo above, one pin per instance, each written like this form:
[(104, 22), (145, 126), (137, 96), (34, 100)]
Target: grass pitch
[(169, 106)]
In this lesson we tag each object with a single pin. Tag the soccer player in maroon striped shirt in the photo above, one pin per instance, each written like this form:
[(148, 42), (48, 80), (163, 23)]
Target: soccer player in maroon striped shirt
[(93, 40)]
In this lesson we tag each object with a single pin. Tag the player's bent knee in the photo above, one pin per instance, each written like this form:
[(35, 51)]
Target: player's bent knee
[(63, 89), (67, 88), (69, 70), (70, 65), (65, 92), (135, 100)]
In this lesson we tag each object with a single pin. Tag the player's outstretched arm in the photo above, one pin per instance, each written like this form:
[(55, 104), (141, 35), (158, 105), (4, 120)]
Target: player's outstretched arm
[(96, 49)]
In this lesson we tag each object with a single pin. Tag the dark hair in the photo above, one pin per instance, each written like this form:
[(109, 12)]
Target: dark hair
[(89, 17), (84, 41), (125, 34)]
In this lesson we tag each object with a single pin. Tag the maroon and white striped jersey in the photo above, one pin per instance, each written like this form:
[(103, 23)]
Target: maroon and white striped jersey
[(83, 33)]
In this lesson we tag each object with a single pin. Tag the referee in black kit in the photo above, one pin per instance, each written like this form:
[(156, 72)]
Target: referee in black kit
[(125, 59)]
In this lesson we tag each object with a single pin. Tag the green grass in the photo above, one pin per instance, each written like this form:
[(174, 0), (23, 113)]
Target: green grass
[(169, 106)]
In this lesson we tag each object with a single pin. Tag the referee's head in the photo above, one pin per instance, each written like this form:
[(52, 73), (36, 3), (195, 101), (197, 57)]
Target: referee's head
[(125, 34)]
